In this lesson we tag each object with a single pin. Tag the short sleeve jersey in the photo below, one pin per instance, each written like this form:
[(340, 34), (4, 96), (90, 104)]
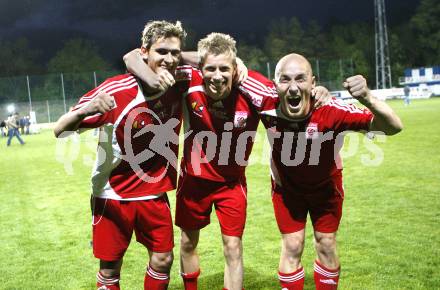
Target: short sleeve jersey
[(133, 162), (307, 153), (219, 134)]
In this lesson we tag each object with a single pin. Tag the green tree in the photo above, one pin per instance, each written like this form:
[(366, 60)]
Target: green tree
[(426, 26), (18, 58), (76, 61), (253, 57), (314, 42), (352, 49), (285, 36), (77, 55)]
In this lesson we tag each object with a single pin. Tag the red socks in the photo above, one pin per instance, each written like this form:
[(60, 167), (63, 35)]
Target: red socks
[(292, 281), (155, 280), (325, 279), (103, 283), (190, 280)]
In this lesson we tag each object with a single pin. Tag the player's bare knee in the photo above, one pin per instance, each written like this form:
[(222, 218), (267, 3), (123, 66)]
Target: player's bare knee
[(110, 269), (188, 242), (162, 262), (187, 246), (294, 246), (232, 249), (109, 273), (326, 245)]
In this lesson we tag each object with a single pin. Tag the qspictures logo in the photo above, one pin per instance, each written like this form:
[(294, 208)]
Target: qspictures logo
[(208, 145)]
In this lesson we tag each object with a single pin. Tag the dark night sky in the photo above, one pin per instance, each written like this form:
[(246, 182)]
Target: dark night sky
[(116, 25)]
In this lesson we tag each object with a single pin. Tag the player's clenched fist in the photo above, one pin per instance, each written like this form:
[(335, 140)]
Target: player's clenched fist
[(163, 81), (357, 87), (102, 103)]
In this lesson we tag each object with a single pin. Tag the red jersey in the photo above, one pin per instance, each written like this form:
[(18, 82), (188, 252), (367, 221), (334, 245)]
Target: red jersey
[(133, 162), (219, 134), (306, 153)]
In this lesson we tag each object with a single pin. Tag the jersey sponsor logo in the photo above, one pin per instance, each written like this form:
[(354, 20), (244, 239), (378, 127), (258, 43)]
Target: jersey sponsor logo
[(240, 119), (312, 131), (183, 74), (197, 108), (328, 281)]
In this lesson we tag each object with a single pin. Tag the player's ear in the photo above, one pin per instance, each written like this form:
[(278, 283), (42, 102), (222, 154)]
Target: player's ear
[(313, 82), (144, 53)]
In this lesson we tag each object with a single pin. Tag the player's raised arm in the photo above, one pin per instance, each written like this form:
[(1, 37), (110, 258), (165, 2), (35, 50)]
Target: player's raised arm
[(135, 61), (385, 119), (70, 121), (191, 57)]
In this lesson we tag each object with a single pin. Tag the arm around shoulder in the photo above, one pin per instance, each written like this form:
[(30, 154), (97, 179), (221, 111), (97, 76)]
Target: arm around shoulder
[(68, 123)]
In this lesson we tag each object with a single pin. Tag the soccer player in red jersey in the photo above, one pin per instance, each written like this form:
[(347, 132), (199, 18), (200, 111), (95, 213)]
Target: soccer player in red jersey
[(216, 114), (223, 124), (311, 183), (136, 158)]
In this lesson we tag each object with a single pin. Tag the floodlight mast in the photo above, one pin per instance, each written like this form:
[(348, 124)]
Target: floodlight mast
[(383, 68)]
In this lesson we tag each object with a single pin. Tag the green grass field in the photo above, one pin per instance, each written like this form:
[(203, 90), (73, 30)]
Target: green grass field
[(388, 238)]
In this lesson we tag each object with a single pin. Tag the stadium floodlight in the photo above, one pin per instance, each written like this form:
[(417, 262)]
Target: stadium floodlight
[(11, 108)]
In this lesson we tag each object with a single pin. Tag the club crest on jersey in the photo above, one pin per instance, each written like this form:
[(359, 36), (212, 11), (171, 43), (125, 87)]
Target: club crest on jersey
[(197, 108), (138, 124), (312, 131), (240, 119)]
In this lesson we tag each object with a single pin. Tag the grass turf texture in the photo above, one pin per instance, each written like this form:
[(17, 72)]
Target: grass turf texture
[(388, 238)]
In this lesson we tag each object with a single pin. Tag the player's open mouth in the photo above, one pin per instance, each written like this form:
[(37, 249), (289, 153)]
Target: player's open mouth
[(294, 101)]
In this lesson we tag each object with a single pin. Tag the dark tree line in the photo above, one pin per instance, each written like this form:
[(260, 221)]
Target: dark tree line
[(412, 44)]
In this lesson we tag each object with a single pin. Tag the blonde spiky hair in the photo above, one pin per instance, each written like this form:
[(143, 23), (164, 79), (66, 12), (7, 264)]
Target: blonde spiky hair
[(157, 29), (217, 43)]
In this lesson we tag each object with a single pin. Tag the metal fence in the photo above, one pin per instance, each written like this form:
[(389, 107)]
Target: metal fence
[(51, 95), (328, 73)]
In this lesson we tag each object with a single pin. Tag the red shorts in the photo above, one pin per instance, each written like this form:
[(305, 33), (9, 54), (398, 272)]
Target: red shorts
[(195, 197), (324, 205), (114, 222)]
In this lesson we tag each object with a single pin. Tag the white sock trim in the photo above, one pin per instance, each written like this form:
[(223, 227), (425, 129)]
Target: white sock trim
[(324, 272), (291, 278), (156, 275)]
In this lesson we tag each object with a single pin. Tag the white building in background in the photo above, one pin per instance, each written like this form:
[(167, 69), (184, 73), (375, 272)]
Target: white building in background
[(424, 82)]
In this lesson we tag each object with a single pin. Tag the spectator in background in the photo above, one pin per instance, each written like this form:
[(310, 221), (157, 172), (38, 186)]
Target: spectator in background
[(27, 124), (12, 124), (406, 91), (3, 128), (21, 122)]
